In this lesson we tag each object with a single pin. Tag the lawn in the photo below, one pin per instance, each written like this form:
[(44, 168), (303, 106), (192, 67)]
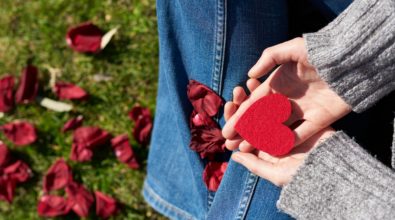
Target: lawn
[(34, 31)]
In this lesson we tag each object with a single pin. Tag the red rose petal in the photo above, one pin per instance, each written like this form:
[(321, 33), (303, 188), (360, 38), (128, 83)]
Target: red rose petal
[(81, 153), (85, 37), (106, 206), (5, 155), (201, 120), (203, 99), (6, 94), (80, 199), (213, 173), (90, 136), (58, 176), (28, 85), (143, 124), (20, 133), (19, 171), (73, 123), (69, 91), (124, 151), (52, 206), (7, 188), (207, 140)]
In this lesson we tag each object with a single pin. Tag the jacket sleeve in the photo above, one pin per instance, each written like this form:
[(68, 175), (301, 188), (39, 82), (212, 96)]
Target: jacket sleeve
[(355, 54), (340, 180)]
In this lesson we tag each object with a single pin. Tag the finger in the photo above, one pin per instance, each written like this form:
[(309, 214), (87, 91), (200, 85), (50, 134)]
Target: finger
[(305, 131), (233, 144), (267, 157), (276, 55), (246, 147), (239, 95), (229, 109), (252, 84), (257, 166)]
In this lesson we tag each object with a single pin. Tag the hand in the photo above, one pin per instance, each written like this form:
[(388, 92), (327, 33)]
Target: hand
[(314, 104), (278, 170)]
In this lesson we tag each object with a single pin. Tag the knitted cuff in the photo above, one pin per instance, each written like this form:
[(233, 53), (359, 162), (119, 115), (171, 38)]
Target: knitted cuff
[(340, 180), (354, 54)]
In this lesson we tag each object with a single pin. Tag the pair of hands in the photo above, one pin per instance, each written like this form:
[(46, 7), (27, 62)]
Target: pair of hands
[(314, 107)]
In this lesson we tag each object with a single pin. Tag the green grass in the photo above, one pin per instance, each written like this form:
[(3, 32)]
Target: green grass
[(35, 31)]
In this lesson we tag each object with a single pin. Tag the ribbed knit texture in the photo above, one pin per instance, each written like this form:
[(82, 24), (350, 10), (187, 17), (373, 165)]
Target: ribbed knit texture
[(340, 180), (355, 52), (355, 55)]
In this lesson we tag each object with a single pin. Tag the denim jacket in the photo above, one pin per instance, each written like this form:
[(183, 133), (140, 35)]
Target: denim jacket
[(214, 42)]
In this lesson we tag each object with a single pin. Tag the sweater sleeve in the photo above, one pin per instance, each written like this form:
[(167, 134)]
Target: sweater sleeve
[(340, 180), (355, 54)]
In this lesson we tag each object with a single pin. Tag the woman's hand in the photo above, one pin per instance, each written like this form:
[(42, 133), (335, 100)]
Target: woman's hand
[(314, 104)]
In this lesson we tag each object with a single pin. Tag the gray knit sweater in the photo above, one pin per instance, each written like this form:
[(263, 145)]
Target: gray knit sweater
[(355, 55)]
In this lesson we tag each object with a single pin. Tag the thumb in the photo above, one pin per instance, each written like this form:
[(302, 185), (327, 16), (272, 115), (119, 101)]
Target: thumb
[(288, 51)]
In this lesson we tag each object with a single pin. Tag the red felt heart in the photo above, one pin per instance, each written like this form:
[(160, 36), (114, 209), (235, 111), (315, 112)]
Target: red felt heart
[(261, 125)]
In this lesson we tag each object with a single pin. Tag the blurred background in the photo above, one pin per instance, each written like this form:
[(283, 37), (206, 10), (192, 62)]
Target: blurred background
[(117, 78)]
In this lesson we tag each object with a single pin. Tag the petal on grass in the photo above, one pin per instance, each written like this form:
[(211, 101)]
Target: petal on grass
[(6, 93), (20, 133), (19, 171), (85, 38), (28, 85), (106, 206), (52, 206), (69, 91), (124, 151), (73, 123), (143, 124), (58, 176), (79, 198)]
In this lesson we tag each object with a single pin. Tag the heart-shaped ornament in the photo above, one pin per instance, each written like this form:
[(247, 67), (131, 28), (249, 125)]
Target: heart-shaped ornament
[(262, 125)]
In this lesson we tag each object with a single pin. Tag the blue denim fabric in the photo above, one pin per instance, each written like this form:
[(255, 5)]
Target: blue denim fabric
[(214, 42)]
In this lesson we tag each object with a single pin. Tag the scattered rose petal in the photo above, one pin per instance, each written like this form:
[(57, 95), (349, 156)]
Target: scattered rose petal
[(213, 173), (4, 155), (52, 206), (28, 85), (106, 206), (58, 176), (143, 124), (107, 37), (20, 133), (80, 199), (200, 120), (85, 38), (124, 151), (203, 99), (69, 91), (55, 105), (73, 123), (207, 140), (7, 188), (85, 139), (19, 171), (6, 93)]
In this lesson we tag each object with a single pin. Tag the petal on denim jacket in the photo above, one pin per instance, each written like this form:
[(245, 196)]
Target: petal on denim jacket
[(85, 38), (106, 206), (73, 123), (213, 173), (124, 151), (69, 91), (19, 171), (58, 176), (143, 124), (200, 120), (203, 99), (79, 198), (52, 206), (20, 132), (5, 155), (7, 188), (207, 140), (28, 85), (6, 93)]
